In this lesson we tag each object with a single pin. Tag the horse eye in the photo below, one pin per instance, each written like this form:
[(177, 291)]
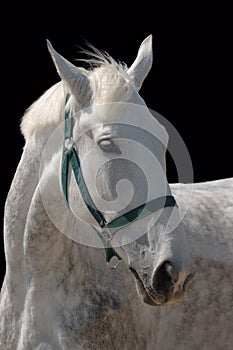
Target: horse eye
[(107, 145)]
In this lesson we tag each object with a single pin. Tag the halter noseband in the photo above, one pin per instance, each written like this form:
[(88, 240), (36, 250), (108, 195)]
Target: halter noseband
[(70, 155)]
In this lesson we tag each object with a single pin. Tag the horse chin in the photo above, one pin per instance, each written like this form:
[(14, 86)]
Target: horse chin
[(148, 298)]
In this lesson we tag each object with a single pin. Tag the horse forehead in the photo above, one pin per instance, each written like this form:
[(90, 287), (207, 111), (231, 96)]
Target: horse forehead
[(122, 114)]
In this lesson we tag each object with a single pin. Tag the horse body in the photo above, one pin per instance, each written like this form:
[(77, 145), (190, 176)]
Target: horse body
[(59, 294), (204, 320)]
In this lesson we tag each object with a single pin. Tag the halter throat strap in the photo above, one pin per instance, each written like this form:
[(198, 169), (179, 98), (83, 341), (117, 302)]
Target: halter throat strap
[(108, 229)]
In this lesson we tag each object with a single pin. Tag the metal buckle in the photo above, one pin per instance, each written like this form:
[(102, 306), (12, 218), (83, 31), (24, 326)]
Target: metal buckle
[(68, 143), (112, 264)]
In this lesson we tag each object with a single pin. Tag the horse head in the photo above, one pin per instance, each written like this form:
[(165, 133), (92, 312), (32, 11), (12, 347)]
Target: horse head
[(120, 148)]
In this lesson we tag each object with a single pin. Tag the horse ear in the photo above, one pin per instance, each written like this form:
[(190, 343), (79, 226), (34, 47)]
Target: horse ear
[(143, 62), (76, 78)]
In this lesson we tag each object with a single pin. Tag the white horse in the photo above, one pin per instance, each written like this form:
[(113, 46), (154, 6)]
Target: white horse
[(58, 292)]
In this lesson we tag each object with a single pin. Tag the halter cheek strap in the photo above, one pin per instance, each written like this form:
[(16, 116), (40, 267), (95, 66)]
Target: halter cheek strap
[(108, 229)]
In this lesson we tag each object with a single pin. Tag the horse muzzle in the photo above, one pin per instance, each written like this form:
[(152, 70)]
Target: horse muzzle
[(167, 285)]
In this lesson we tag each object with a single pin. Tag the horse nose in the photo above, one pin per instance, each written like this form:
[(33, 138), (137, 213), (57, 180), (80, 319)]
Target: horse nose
[(168, 278)]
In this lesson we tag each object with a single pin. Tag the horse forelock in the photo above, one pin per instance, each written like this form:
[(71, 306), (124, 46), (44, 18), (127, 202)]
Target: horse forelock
[(109, 79)]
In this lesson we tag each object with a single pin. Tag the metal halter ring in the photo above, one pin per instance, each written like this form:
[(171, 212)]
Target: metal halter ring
[(68, 143)]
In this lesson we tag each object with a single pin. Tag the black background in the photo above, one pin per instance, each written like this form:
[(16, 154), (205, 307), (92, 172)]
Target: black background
[(189, 84)]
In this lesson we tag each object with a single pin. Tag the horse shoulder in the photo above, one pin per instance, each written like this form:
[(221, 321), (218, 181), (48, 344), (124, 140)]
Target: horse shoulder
[(207, 310)]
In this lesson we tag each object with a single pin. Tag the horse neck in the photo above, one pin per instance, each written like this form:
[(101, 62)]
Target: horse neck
[(19, 198), (49, 220), (15, 217), (50, 253)]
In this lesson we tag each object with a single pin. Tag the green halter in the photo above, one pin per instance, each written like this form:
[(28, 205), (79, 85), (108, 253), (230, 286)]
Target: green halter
[(70, 156)]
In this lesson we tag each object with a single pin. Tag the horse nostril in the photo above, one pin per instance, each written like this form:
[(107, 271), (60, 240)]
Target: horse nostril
[(188, 281), (164, 278)]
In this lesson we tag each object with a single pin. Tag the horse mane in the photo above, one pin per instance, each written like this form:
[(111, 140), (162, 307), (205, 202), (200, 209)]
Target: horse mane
[(47, 110), (109, 82)]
